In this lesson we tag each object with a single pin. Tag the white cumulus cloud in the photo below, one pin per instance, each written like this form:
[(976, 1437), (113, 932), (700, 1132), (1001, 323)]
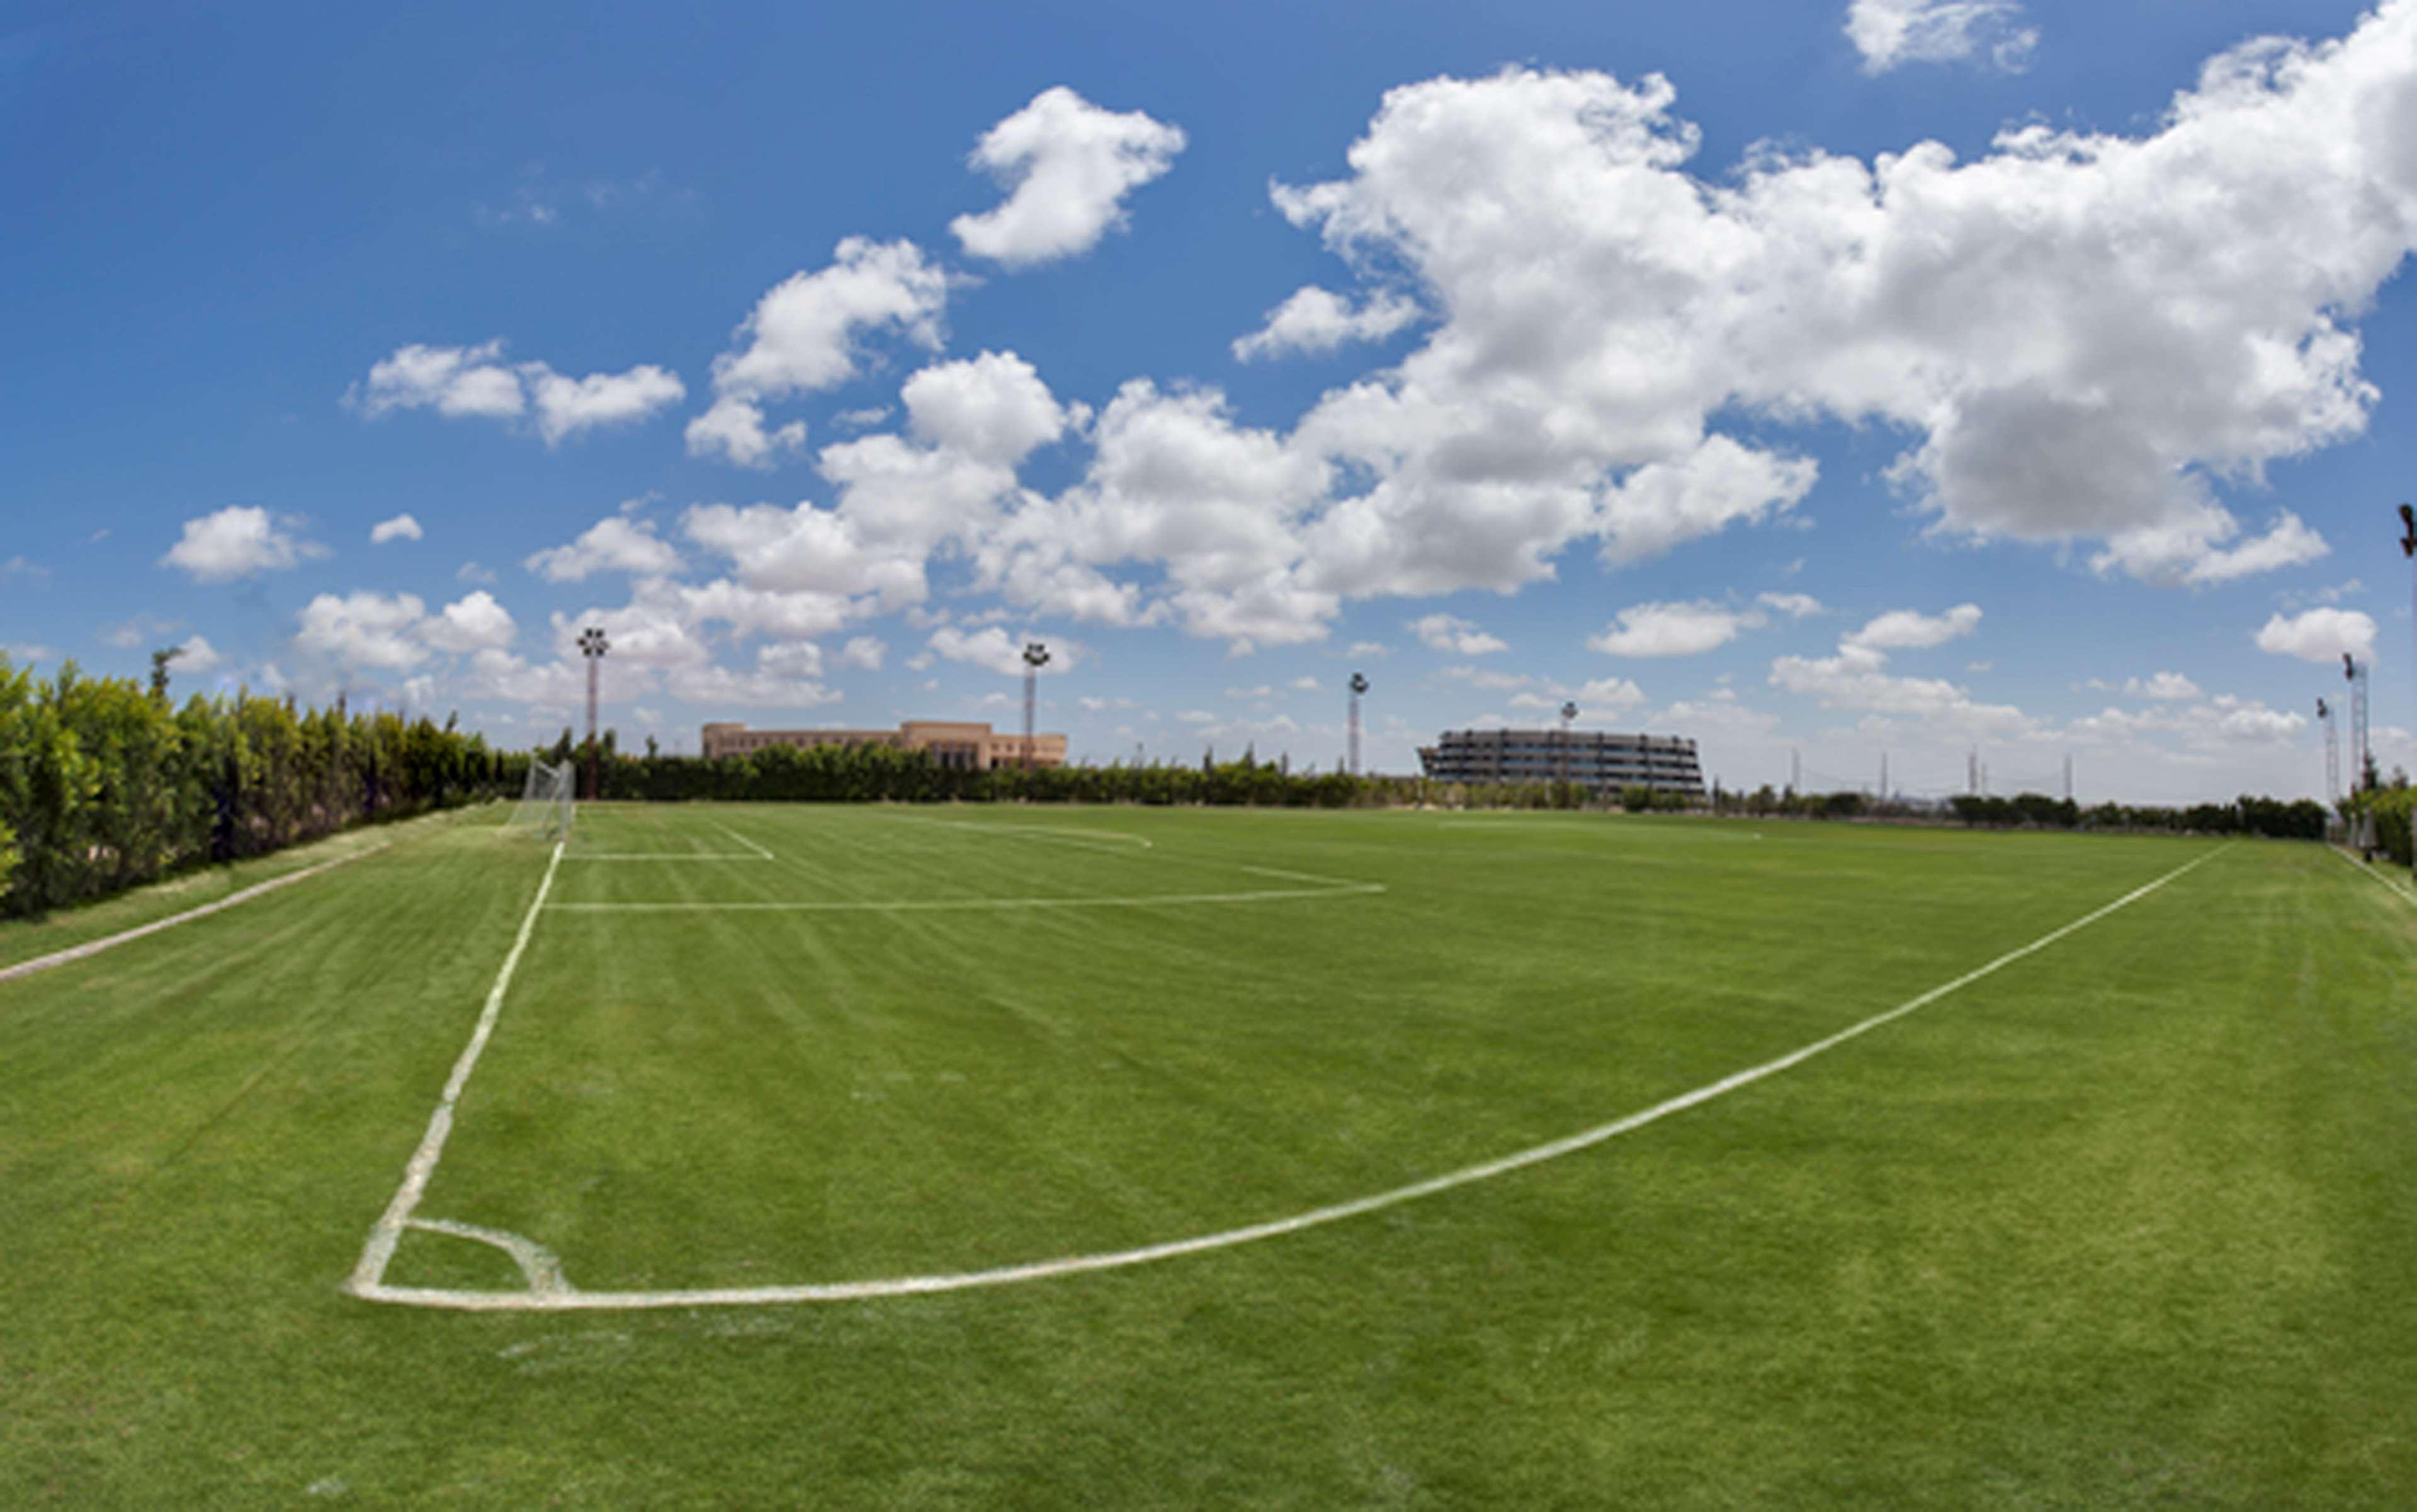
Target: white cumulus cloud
[(197, 656), (567, 406), (470, 624), (1890, 33), (1677, 630), (1068, 165), (236, 542), (1907, 629), (401, 528), (364, 631), (2165, 687), (2040, 318), (806, 335), (614, 544), (476, 381), (2320, 635), (1315, 321), (1456, 636)]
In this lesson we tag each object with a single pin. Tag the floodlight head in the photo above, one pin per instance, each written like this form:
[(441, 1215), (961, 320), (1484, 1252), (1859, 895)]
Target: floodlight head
[(1359, 682), (1569, 710), (592, 642), (2349, 668), (2408, 530), (2321, 711), (1036, 655)]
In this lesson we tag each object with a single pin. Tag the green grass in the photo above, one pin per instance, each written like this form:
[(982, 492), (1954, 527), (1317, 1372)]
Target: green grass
[(2125, 1223), (22, 940)]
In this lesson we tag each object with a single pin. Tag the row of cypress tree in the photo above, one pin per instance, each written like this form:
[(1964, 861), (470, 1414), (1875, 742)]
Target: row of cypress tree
[(105, 784)]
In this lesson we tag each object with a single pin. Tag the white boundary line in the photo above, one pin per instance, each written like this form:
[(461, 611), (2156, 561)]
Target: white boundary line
[(741, 838), (2377, 872), (379, 1250), (665, 855), (572, 1299), (94, 947)]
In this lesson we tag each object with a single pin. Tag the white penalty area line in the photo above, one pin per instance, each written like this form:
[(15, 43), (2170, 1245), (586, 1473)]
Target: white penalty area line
[(94, 947), (567, 1298), (367, 1276)]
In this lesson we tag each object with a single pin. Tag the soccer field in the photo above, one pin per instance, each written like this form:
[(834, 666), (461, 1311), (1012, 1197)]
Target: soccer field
[(803, 1156)]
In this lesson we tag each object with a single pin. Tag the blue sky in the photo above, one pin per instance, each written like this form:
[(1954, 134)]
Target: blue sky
[(1897, 377)]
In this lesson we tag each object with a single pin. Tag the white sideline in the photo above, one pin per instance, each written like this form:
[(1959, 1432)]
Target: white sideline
[(665, 856), (379, 1250), (2375, 872), (94, 947), (572, 1299)]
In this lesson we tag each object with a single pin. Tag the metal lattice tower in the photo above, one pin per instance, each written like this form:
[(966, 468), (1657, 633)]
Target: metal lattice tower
[(1358, 685), (1036, 657), (1569, 712), (2332, 755), (592, 645), (2361, 758)]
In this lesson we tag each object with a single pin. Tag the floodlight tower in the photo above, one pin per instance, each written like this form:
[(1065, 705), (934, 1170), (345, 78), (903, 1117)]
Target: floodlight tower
[(1358, 685), (1036, 657), (1569, 712), (2332, 755), (2361, 758), (592, 645), (2408, 548)]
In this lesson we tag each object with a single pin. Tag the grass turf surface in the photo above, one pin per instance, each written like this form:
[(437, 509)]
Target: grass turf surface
[(2125, 1223)]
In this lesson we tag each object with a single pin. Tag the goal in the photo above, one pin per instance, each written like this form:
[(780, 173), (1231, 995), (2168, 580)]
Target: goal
[(545, 804)]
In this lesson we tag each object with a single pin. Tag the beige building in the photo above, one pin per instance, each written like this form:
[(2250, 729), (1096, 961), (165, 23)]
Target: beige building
[(961, 746)]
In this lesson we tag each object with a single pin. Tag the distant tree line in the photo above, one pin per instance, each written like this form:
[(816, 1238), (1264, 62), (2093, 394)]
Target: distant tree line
[(875, 773), (2304, 819), (105, 784)]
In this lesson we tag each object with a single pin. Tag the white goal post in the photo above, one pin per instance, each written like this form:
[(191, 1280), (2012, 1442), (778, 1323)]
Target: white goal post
[(546, 803)]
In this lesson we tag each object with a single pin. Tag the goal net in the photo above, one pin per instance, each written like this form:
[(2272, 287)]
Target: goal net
[(545, 804)]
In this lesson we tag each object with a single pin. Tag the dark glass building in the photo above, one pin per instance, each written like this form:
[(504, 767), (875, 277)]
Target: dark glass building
[(1600, 761)]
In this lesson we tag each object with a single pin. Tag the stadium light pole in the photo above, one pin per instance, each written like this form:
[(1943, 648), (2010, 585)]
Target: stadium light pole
[(1036, 657), (1569, 712), (1358, 685), (2408, 550), (2332, 756), (2361, 758), (592, 645)]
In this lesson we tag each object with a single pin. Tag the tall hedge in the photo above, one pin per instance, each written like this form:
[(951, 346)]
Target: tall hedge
[(2392, 809), (105, 784), (861, 774)]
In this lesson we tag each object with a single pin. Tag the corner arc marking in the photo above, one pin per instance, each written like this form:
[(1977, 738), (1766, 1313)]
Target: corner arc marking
[(538, 1265)]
